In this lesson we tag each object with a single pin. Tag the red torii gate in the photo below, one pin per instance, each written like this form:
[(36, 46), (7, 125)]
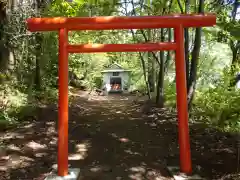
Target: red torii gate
[(178, 22)]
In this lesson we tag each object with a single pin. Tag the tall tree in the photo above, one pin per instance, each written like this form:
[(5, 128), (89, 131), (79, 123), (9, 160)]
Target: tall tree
[(195, 58), (164, 60), (192, 64), (39, 6), (160, 86)]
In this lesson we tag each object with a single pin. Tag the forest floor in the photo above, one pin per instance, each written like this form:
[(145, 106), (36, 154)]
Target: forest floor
[(113, 138)]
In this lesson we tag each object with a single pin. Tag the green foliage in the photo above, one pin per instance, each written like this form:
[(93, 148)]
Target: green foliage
[(220, 105), (16, 105), (11, 102), (170, 93)]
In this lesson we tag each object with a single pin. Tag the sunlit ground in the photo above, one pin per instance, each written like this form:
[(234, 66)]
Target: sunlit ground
[(114, 138)]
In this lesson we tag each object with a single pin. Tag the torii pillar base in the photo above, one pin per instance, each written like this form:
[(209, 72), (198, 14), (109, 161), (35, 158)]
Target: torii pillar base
[(73, 174), (178, 175)]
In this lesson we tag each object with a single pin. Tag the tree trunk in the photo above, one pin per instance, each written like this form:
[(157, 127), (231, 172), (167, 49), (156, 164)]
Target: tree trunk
[(38, 62), (154, 73), (151, 73), (168, 59), (145, 75), (195, 58), (39, 6), (160, 88), (143, 67), (6, 57), (12, 4), (235, 55), (186, 45), (3, 17)]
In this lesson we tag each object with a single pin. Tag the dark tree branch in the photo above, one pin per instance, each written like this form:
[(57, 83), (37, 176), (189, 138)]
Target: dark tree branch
[(144, 35), (180, 6)]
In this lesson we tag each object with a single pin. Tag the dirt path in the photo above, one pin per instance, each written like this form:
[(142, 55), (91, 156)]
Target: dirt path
[(112, 139)]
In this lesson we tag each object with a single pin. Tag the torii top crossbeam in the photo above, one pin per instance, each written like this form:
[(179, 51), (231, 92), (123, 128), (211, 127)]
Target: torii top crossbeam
[(122, 22)]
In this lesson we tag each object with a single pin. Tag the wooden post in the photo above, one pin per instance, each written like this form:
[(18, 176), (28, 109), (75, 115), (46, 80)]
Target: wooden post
[(63, 104), (182, 106)]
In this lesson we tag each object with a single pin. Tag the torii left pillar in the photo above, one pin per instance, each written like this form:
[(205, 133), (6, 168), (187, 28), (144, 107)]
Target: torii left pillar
[(63, 103)]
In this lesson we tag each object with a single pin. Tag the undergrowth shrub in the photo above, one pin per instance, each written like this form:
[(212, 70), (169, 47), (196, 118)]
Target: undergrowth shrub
[(17, 105), (138, 84), (170, 93), (219, 105), (11, 101)]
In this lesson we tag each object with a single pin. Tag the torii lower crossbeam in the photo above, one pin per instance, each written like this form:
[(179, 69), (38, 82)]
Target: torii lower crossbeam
[(178, 22)]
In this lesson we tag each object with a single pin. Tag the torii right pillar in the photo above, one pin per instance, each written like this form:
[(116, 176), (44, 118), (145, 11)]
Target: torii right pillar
[(183, 129)]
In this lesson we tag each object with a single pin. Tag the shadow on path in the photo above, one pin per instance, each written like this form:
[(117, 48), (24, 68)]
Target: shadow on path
[(113, 139)]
